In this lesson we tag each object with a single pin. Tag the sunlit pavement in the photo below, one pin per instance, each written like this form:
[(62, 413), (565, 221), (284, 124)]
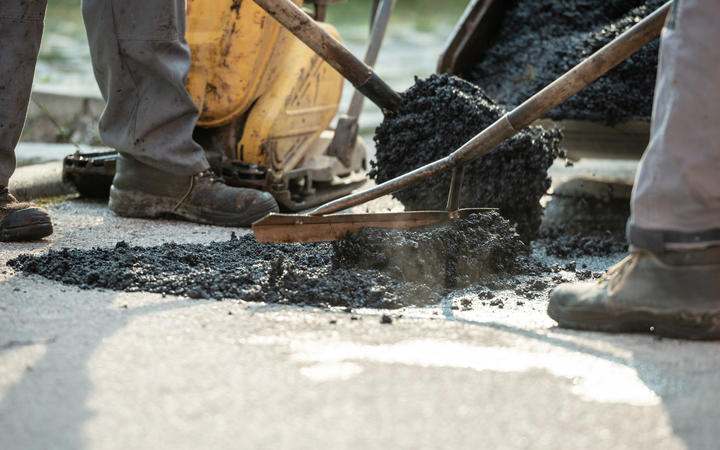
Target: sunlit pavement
[(102, 369)]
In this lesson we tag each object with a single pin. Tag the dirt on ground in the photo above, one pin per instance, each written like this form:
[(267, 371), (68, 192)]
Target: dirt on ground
[(539, 40), (562, 243), (438, 115)]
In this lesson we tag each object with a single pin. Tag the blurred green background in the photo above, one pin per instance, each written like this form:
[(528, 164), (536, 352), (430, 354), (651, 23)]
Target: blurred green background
[(422, 14), (417, 33), (64, 15)]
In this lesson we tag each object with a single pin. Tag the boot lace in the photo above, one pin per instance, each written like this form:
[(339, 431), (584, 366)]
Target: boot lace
[(616, 276), (206, 175), (5, 197)]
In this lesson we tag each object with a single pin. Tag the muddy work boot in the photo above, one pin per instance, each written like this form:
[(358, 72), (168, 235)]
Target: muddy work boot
[(676, 295), (139, 190), (22, 221)]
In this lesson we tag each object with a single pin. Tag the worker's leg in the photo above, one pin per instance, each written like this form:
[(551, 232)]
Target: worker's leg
[(676, 200), (670, 283), (21, 27), (141, 62)]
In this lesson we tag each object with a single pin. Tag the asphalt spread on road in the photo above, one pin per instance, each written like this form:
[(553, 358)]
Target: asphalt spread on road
[(372, 268)]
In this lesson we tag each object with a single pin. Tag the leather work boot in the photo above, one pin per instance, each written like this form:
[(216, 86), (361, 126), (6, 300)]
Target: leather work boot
[(139, 190), (676, 295), (22, 221)]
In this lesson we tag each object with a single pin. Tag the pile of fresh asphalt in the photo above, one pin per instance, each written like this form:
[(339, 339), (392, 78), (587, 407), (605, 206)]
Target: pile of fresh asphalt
[(372, 268), (470, 250), (539, 40), (437, 116)]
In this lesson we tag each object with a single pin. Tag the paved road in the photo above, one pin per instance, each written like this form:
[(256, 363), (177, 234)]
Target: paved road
[(104, 370)]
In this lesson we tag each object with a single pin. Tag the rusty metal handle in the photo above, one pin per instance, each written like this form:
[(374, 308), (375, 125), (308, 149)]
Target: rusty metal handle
[(533, 108), (377, 34), (333, 52), (346, 130)]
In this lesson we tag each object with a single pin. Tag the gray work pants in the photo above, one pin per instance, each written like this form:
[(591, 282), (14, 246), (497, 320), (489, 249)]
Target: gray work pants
[(141, 61), (21, 25), (676, 199)]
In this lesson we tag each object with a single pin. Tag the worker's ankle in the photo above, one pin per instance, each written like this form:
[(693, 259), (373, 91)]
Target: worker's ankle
[(5, 195), (133, 175), (677, 247)]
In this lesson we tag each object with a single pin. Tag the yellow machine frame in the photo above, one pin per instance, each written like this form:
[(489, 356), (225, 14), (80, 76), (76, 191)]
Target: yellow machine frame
[(246, 65)]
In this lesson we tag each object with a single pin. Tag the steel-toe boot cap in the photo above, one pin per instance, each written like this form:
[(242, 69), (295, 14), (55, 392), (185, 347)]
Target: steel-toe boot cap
[(24, 222), (581, 296)]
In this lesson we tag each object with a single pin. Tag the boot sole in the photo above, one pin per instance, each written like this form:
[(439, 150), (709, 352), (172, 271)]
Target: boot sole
[(141, 205), (688, 326)]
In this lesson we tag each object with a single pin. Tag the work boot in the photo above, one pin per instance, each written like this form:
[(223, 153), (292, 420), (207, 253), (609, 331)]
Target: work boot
[(676, 295), (22, 221), (139, 190)]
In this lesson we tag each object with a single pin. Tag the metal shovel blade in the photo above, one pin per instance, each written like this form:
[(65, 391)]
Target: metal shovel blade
[(284, 228)]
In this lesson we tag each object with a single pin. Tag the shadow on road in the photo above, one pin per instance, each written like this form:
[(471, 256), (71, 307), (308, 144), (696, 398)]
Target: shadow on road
[(47, 406)]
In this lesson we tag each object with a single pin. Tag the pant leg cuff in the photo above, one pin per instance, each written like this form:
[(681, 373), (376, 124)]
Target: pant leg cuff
[(192, 168), (661, 241)]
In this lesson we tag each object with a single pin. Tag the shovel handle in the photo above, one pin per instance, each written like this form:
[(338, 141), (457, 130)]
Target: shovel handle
[(333, 52), (592, 68)]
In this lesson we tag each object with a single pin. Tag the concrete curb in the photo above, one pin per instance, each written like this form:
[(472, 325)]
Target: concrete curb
[(66, 112), (39, 172), (32, 153), (39, 181)]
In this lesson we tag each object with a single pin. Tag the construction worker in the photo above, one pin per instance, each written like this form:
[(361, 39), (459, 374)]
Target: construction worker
[(670, 282), (141, 61)]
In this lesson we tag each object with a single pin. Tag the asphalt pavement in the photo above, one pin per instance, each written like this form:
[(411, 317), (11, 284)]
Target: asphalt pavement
[(94, 369), (97, 369)]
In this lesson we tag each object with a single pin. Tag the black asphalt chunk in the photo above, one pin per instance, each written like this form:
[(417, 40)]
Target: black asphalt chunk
[(438, 115), (559, 242)]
